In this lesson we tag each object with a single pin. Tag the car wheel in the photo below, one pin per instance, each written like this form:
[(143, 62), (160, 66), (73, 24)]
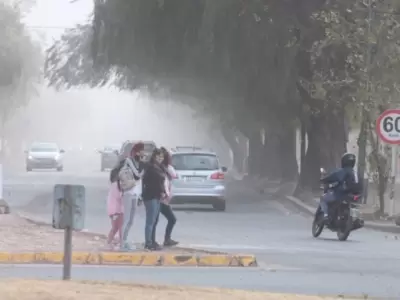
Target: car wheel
[(220, 206), (60, 169), (28, 169)]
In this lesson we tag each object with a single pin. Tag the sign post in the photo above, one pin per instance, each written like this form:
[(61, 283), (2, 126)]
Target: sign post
[(388, 129), (68, 214)]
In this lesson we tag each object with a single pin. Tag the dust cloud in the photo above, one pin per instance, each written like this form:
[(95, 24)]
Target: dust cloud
[(83, 120)]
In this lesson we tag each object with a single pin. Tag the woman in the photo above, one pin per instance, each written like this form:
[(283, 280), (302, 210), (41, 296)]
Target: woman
[(153, 190), (165, 208), (115, 209), (130, 183)]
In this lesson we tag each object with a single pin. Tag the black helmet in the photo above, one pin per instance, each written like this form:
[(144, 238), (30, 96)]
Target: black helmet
[(348, 160)]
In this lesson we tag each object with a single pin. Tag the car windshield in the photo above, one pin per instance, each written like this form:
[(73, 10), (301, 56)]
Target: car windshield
[(111, 148), (195, 162), (44, 148)]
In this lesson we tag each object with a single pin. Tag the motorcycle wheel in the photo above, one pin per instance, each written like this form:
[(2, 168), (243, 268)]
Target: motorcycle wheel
[(317, 225), (343, 233)]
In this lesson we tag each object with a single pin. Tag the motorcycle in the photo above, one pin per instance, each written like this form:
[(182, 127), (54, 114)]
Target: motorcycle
[(344, 218)]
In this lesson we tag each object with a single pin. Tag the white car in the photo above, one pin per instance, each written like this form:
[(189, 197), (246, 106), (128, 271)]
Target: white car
[(44, 156), (200, 178)]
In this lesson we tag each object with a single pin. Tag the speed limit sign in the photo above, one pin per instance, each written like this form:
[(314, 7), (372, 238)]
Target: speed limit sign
[(388, 126)]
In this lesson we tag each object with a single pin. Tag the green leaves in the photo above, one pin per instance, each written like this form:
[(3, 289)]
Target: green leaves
[(19, 61)]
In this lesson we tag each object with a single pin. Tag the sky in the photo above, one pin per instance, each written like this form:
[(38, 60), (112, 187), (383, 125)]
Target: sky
[(48, 18)]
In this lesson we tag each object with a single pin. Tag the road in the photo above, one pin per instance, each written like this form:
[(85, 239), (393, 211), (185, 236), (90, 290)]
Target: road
[(290, 259)]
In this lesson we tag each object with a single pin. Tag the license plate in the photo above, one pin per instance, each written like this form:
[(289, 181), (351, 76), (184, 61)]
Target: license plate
[(194, 178), (45, 160), (355, 213)]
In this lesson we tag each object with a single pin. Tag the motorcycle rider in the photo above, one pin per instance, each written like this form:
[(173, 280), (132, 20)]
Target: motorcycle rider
[(344, 181)]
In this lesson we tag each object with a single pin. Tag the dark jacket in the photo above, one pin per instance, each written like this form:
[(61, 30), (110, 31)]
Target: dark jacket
[(153, 183), (343, 182)]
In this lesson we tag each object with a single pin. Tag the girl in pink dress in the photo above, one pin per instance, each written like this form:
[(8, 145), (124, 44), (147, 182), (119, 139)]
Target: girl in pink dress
[(115, 210)]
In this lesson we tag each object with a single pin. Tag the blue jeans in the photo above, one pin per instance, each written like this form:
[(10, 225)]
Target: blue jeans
[(326, 198), (152, 212)]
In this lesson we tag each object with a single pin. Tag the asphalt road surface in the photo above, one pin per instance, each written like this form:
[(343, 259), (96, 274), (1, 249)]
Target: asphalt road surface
[(290, 259)]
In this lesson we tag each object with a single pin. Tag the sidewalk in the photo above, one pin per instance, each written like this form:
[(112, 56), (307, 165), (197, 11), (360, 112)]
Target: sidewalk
[(27, 241)]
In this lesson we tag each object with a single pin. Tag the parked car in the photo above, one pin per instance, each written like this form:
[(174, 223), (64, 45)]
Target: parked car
[(44, 156), (108, 157), (127, 146), (200, 178)]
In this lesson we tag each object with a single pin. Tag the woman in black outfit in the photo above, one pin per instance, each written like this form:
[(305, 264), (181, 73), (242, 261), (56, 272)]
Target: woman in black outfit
[(153, 190), (165, 207)]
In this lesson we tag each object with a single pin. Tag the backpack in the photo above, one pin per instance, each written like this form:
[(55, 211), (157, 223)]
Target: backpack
[(114, 173)]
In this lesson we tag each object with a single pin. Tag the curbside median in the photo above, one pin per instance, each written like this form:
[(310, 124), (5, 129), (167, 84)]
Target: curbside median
[(131, 259)]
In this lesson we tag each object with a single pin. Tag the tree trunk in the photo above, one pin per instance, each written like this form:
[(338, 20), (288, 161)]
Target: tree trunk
[(303, 133), (381, 192), (255, 154), (287, 155), (238, 148), (362, 148), (326, 144), (270, 160)]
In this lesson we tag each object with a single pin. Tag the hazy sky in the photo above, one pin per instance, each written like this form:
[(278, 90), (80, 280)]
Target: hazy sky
[(48, 17)]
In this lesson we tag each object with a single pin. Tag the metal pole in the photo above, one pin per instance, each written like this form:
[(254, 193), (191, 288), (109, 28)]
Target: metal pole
[(393, 180), (68, 236)]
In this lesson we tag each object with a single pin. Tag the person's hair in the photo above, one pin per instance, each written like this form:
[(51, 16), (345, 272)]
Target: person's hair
[(139, 146), (156, 152), (114, 174), (167, 157)]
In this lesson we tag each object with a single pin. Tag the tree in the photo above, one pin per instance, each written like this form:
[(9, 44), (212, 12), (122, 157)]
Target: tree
[(365, 34), (252, 65), (19, 62), (69, 63)]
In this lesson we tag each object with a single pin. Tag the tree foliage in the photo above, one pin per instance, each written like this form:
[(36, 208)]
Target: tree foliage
[(19, 61), (260, 68)]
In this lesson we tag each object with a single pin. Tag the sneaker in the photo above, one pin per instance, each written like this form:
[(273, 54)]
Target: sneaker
[(109, 247), (125, 246), (149, 247), (170, 243), (156, 246)]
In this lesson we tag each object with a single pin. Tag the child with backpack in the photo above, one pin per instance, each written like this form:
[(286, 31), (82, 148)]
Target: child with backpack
[(115, 208)]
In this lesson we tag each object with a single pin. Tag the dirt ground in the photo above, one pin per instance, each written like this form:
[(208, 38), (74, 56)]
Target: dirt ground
[(49, 290), (19, 235)]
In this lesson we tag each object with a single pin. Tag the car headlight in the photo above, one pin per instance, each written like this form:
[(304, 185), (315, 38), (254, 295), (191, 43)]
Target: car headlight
[(57, 157), (30, 157)]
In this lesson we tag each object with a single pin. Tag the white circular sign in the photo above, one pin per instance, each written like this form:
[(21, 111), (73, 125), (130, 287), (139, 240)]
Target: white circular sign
[(388, 126)]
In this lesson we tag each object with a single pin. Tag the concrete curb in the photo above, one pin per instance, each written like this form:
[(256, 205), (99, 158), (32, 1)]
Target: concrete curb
[(130, 259), (390, 228)]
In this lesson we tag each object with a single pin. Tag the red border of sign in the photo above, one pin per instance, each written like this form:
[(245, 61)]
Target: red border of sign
[(377, 127)]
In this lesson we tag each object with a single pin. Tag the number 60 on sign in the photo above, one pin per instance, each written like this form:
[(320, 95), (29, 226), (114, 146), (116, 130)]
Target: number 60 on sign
[(388, 126)]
